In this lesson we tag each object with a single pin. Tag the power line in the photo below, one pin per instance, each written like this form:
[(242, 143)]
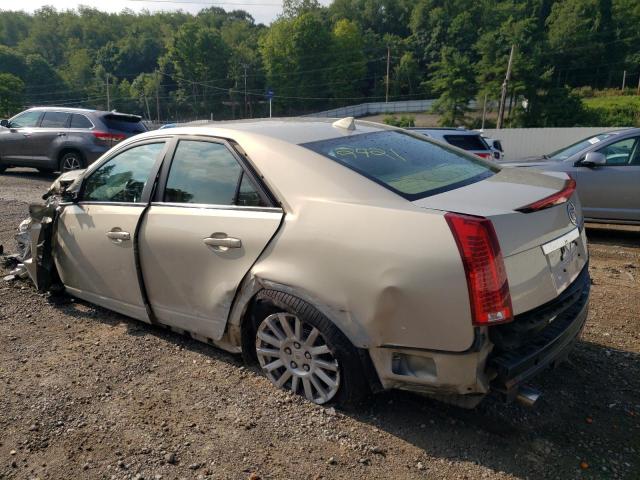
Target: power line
[(212, 4)]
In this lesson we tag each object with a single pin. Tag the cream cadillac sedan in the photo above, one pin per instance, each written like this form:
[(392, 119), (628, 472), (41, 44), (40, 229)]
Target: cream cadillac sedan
[(343, 257)]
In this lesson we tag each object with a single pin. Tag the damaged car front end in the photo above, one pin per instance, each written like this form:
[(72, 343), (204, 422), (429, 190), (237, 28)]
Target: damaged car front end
[(34, 240)]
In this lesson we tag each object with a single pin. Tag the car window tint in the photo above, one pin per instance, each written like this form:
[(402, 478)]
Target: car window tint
[(26, 120), (248, 195), (124, 123), (202, 172), (466, 142), (122, 179), (411, 166), (54, 120), (80, 121), (619, 153)]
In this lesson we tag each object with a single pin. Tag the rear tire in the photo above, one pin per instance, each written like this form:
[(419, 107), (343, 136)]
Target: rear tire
[(71, 160), (301, 350)]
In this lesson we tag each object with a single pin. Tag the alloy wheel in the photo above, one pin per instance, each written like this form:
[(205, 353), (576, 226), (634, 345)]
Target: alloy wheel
[(71, 162), (295, 356)]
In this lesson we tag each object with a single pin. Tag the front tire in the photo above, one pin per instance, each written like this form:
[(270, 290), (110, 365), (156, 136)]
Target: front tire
[(300, 350)]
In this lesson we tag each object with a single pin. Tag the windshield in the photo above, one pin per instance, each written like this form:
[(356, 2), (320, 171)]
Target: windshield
[(408, 165), (571, 150)]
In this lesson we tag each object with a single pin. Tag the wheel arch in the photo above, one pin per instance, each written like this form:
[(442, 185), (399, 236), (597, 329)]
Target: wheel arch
[(68, 149)]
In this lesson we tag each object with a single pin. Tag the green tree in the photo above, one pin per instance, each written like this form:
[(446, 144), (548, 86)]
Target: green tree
[(11, 89), (349, 62), (297, 61), (453, 79), (199, 56)]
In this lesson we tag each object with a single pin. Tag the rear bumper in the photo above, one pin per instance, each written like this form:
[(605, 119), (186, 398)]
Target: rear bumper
[(538, 339), (503, 358)]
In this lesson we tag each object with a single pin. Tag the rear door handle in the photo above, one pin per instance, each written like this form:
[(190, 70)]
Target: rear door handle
[(62, 134), (118, 236), (220, 241)]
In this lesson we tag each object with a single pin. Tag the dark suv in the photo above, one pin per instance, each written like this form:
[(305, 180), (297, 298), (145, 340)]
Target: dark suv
[(54, 138)]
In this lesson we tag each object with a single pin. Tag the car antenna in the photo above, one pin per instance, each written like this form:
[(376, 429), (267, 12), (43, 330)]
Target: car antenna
[(348, 123)]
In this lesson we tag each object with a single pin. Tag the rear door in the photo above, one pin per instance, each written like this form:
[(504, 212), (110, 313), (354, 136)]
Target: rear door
[(208, 224), (53, 131), (612, 192), (95, 237)]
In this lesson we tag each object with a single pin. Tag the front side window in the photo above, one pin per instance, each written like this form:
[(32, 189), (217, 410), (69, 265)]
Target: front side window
[(571, 150), (123, 177), (621, 152), (26, 120), (54, 120), (410, 166)]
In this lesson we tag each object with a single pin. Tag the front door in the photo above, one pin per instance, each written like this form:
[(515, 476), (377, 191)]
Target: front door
[(209, 224), (16, 146), (611, 192), (95, 237)]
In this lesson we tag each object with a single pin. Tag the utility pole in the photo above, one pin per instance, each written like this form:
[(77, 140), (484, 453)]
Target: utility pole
[(157, 96), (484, 110), (108, 96), (624, 80), (505, 84), (388, 65), (245, 90)]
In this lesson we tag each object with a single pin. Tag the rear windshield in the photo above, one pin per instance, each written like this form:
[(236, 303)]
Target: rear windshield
[(466, 142), (124, 123), (410, 166)]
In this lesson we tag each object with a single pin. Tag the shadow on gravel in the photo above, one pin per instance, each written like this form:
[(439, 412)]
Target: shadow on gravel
[(30, 174), (589, 412), (625, 236)]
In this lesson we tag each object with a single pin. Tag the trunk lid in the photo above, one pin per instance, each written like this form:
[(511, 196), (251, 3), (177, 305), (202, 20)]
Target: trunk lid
[(544, 251)]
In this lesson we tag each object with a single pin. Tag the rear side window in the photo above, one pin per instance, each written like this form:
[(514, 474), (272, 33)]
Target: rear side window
[(467, 142), (80, 121), (55, 120), (405, 164), (208, 173), (122, 178), (124, 123)]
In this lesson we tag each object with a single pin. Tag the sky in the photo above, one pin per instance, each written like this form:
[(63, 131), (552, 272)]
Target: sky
[(263, 11)]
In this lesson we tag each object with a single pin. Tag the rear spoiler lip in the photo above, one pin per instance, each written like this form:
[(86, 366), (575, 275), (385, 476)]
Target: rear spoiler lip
[(127, 116)]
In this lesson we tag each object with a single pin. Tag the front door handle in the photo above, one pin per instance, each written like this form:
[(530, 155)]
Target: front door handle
[(118, 236), (222, 242), (62, 134)]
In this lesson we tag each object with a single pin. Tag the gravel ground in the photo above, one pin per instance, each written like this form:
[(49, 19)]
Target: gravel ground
[(86, 393)]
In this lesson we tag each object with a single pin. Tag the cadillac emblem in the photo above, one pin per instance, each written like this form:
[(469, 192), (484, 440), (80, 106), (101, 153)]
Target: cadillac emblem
[(573, 213)]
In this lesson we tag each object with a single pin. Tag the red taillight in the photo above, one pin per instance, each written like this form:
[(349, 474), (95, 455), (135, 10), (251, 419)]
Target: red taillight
[(558, 198), (484, 266), (113, 137), (484, 155)]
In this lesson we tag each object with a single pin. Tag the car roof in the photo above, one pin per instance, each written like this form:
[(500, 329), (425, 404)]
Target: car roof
[(444, 130), (80, 110), (294, 130)]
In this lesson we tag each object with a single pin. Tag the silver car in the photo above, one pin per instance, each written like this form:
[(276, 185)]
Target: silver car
[(606, 168), (343, 257)]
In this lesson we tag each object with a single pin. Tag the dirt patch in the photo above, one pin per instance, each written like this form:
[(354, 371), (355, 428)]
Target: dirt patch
[(86, 393)]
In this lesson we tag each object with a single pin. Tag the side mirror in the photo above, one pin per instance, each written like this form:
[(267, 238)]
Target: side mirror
[(4, 123), (594, 159), (70, 196)]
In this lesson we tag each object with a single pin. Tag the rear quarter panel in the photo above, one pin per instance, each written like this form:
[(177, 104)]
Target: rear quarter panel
[(383, 276)]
